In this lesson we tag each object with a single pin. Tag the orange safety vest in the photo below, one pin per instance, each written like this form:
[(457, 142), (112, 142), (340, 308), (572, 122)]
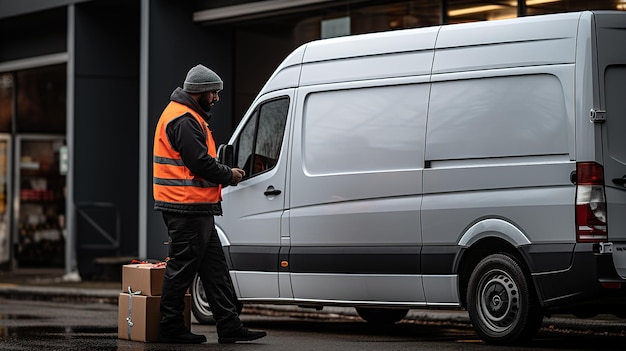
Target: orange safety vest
[(173, 182)]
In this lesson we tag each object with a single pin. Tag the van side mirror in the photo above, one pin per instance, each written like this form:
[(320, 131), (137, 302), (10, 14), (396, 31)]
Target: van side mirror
[(225, 155)]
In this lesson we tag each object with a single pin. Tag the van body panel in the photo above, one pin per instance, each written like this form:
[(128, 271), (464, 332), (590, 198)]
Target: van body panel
[(489, 116), (359, 289), (543, 215), (375, 67), (530, 41), (588, 146), (343, 143), (498, 174), (374, 56), (286, 75), (366, 45), (285, 78), (441, 290), (379, 222)]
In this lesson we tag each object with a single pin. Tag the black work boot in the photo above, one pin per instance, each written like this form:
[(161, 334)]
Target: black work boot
[(241, 334)]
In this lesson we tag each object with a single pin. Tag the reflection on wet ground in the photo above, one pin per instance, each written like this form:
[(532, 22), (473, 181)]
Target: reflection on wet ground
[(45, 325), (38, 325), (57, 338), (18, 316), (55, 332)]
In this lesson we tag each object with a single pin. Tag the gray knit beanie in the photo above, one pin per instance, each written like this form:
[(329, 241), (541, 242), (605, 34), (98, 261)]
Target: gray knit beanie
[(201, 79)]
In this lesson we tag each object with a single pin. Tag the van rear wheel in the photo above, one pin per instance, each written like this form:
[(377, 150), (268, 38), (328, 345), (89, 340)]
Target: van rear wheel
[(382, 316), (500, 301)]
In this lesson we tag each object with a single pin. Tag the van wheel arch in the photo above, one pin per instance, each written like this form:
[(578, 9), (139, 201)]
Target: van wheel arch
[(478, 251)]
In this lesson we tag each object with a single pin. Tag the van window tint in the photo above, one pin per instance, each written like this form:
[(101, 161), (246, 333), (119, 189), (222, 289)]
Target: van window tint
[(366, 129), (258, 145), (615, 83), (497, 117)]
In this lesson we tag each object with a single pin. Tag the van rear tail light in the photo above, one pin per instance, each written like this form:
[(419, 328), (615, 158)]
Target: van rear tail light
[(590, 203)]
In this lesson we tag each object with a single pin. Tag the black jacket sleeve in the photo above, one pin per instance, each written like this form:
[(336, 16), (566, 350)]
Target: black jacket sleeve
[(187, 137)]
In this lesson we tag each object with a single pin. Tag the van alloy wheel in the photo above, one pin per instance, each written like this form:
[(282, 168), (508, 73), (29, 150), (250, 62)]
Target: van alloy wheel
[(501, 303)]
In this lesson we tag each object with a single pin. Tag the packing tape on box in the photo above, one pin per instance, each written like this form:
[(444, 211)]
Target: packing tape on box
[(129, 319), (156, 265)]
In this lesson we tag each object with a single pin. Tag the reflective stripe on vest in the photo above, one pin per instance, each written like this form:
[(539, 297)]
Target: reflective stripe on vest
[(172, 181)]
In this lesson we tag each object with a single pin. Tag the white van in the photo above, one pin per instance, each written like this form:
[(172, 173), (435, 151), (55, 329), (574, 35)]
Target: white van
[(478, 166)]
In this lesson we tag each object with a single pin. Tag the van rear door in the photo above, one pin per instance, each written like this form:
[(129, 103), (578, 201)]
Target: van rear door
[(611, 63)]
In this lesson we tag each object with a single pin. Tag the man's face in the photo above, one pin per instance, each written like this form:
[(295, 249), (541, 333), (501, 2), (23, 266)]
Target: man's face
[(208, 99)]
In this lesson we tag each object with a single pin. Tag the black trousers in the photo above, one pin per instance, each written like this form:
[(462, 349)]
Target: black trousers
[(196, 248)]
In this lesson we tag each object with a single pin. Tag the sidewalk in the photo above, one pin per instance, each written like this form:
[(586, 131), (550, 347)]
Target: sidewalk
[(54, 285)]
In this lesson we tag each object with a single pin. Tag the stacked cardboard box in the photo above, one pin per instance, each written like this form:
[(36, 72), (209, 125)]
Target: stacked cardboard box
[(139, 309)]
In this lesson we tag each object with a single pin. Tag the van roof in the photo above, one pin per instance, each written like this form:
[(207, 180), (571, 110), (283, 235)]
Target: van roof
[(556, 33)]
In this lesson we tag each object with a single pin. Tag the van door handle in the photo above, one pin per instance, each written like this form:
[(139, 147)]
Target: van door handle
[(271, 191), (620, 181)]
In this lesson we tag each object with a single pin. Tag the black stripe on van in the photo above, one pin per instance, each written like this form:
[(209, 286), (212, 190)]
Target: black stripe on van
[(254, 258), (356, 260), (439, 259), (345, 259)]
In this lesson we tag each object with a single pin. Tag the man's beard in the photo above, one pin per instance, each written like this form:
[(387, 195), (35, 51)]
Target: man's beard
[(204, 103)]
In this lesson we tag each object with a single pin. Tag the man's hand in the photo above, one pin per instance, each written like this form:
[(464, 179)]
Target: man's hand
[(237, 175)]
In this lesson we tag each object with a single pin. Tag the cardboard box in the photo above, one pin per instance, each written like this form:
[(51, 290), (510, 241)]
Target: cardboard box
[(140, 315), (146, 278)]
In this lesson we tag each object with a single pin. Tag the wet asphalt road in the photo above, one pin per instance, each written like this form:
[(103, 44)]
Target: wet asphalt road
[(44, 325)]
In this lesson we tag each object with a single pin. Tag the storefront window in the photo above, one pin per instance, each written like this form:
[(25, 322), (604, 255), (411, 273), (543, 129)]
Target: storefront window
[(460, 11), (40, 215), (6, 102), (374, 18), (41, 100), (539, 7)]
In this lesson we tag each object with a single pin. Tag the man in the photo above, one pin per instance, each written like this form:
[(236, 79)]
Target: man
[(187, 190)]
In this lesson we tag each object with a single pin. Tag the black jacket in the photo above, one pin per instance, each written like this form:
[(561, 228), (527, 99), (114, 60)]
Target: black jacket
[(187, 138)]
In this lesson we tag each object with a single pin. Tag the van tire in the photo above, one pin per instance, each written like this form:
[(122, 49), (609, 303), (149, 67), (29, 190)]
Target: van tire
[(200, 306), (501, 303), (382, 316)]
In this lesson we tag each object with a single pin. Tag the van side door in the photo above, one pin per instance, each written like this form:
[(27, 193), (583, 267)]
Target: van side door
[(253, 210), (356, 192)]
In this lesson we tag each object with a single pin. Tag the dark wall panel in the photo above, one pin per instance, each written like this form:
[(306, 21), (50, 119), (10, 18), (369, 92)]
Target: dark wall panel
[(106, 159), (36, 34)]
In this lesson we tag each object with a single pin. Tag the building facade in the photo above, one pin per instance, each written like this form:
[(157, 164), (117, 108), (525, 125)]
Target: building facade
[(82, 84)]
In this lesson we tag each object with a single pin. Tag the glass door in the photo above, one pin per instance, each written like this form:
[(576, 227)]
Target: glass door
[(39, 201)]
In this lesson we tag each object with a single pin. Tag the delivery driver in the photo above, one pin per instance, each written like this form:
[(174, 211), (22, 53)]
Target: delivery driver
[(187, 190)]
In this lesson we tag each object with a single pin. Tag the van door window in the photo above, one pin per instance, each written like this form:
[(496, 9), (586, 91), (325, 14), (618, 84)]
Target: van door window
[(259, 143)]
